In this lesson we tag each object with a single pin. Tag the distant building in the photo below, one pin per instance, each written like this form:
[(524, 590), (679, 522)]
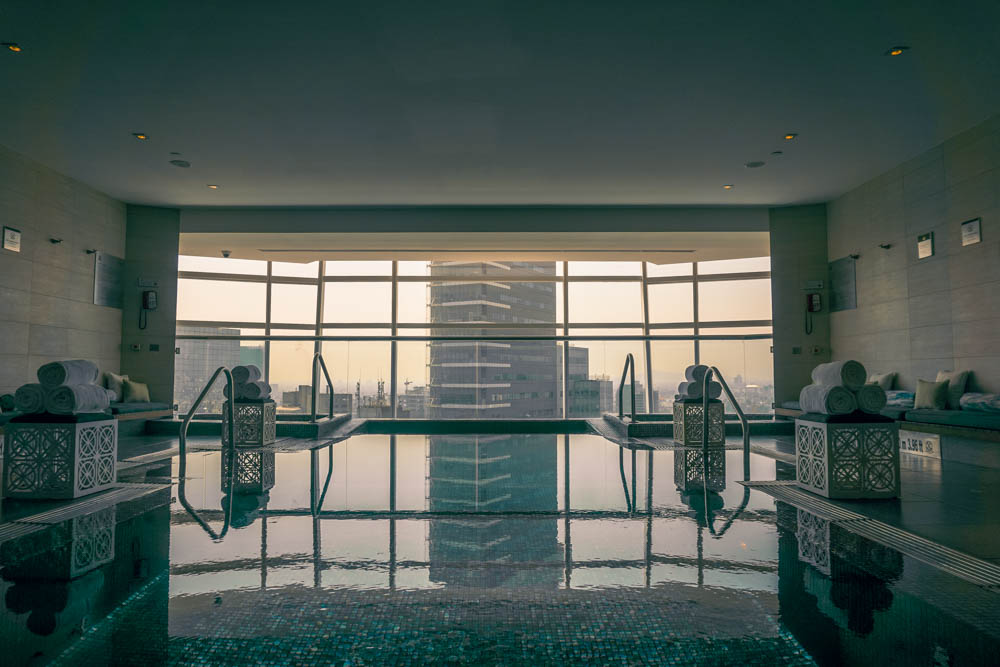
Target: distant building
[(300, 400), (413, 403)]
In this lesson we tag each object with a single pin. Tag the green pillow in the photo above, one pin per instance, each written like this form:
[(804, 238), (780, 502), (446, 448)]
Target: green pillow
[(931, 395), (956, 386), (136, 392), (114, 383), (885, 380)]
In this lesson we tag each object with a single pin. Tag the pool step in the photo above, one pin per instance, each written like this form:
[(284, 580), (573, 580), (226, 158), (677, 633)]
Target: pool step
[(285, 428)]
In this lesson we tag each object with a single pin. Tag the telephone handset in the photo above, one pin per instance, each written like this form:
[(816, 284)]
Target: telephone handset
[(148, 303), (814, 302)]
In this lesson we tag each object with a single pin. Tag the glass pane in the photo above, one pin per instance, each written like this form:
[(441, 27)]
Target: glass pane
[(220, 300), (488, 301), (742, 265), (728, 300), (605, 302), (222, 265), (595, 373), (290, 366), (412, 379), (493, 379), (654, 270), (673, 302), (719, 331), (748, 367), (295, 269), (360, 373), (411, 268), (669, 359), (605, 268), (293, 304), (359, 268), (357, 302), (197, 360)]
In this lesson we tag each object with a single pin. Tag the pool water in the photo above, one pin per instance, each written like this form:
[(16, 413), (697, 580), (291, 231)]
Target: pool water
[(497, 549)]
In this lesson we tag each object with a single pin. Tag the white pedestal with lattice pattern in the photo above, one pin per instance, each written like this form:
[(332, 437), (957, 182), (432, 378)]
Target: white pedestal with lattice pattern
[(255, 423), (59, 460), (254, 471), (689, 423), (690, 470), (848, 459)]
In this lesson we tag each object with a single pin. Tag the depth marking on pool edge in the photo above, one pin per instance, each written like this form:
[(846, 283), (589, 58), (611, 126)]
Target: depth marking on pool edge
[(954, 562)]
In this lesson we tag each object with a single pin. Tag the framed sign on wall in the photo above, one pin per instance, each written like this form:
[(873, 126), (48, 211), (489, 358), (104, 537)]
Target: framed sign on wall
[(12, 239), (925, 245), (972, 231)]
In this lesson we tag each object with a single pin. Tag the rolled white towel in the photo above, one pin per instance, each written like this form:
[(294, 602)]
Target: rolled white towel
[(245, 374), (850, 374), (695, 373), (694, 389), (71, 399), (871, 398), (827, 399), (250, 390), (73, 371), (30, 398)]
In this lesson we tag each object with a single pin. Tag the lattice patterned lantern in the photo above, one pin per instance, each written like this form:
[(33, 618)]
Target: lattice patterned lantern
[(59, 459), (255, 423), (689, 470), (254, 471), (846, 459), (689, 422)]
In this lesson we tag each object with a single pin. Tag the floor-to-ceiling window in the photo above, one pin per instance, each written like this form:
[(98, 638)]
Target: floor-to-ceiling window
[(475, 339)]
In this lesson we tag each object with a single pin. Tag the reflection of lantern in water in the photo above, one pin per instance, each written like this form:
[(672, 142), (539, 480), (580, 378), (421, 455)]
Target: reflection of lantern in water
[(698, 470), (254, 473)]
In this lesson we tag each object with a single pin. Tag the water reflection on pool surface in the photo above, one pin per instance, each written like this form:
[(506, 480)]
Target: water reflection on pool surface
[(510, 549)]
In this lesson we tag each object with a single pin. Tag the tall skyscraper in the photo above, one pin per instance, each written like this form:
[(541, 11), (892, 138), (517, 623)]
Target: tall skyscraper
[(195, 362), (489, 380)]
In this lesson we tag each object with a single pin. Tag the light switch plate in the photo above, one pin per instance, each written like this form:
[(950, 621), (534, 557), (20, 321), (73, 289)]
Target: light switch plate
[(136, 347)]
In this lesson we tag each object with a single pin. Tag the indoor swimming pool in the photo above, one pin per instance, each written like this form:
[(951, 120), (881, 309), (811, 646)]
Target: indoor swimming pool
[(471, 549)]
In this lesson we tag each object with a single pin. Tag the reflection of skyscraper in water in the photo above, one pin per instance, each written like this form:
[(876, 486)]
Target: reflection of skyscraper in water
[(489, 380), (486, 474)]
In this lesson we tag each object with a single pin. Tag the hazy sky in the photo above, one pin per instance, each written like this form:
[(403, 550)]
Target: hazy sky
[(589, 302)]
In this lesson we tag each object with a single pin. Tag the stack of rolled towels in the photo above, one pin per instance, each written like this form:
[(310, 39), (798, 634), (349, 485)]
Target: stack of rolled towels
[(64, 388), (839, 388), (693, 386), (247, 384)]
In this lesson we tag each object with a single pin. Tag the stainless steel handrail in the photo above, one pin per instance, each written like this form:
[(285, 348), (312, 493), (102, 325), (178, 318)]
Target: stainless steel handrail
[(739, 413), (230, 413), (629, 366), (329, 384)]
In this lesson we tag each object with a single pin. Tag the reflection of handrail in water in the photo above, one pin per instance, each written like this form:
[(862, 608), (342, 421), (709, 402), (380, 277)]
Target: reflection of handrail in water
[(230, 453), (318, 505), (621, 468), (732, 517)]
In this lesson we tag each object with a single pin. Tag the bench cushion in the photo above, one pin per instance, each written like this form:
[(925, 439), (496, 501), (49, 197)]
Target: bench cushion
[(893, 412), (965, 418), (129, 408)]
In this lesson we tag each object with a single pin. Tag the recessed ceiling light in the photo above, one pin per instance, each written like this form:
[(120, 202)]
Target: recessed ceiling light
[(183, 164), (174, 153), (777, 153), (897, 51), (727, 186), (790, 136), (141, 136), (753, 164), (212, 186), (13, 46)]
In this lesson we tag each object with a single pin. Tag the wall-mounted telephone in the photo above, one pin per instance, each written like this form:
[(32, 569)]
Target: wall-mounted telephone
[(148, 303), (814, 304)]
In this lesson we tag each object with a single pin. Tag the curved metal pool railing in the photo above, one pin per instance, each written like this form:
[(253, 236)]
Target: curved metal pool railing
[(318, 357), (739, 414), (629, 369), (229, 414)]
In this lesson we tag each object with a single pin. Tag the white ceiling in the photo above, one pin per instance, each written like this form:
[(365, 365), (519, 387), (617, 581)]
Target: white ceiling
[(459, 102)]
